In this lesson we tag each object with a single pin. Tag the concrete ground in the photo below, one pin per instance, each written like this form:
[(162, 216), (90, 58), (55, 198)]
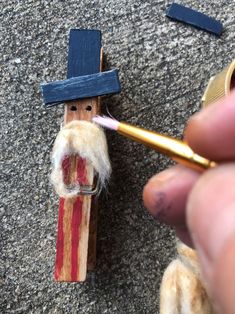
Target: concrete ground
[(164, 68)]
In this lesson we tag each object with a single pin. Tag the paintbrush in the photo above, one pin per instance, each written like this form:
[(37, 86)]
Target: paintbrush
[(176, 149)]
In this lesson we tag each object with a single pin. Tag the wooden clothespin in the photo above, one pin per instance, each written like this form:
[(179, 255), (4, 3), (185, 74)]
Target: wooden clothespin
[(77, 221)]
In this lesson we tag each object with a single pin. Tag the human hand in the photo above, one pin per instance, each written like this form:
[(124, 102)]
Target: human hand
[(201, 207)]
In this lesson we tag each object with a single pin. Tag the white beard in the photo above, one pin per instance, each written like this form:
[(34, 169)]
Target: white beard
[(87, 140)]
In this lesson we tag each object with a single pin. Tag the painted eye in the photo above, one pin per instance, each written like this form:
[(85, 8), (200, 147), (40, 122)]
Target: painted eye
[(88, 108), (73, 108)]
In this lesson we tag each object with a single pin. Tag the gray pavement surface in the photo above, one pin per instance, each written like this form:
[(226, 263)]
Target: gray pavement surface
[(164, 68)]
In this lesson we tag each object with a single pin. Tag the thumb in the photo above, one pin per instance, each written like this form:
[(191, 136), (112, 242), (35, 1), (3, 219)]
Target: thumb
[(211, 220)]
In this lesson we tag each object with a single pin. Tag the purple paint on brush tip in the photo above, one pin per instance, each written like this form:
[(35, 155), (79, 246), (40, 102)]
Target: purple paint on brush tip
[(106, 122)]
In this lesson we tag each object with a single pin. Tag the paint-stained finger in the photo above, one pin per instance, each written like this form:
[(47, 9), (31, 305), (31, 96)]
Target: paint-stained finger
[(165, 195)]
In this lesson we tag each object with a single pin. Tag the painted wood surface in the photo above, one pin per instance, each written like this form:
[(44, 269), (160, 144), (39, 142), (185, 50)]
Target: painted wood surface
[(197, 19), (84, 52), (73, 226), (86, 86), (75, 213)]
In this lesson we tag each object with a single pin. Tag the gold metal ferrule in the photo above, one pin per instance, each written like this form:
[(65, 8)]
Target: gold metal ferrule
[(174, 148)]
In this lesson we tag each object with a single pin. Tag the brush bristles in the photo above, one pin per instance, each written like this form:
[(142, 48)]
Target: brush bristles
[(106, 122)]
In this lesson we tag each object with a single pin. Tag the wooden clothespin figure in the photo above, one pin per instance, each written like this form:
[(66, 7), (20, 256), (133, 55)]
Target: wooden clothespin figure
[(77, 221)]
